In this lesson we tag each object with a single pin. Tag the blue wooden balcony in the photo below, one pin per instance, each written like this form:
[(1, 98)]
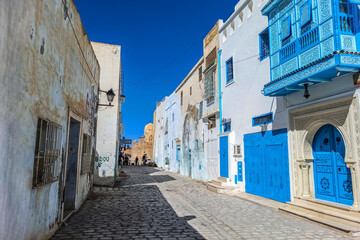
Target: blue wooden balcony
[(311, 42)]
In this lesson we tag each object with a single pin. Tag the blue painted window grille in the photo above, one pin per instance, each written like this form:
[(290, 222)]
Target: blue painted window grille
[(346, 17), (262, 119), (229, 70), (264, 44), (227, 126), (305, 14), (286, 28)]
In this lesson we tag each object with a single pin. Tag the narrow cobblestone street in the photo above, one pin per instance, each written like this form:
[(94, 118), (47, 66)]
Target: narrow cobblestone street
[(156, 204)]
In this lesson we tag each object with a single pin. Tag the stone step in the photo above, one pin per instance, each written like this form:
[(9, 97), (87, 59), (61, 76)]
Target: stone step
[(344, 225), (223, 179), (337, 210), (221, 189), (219, 183)]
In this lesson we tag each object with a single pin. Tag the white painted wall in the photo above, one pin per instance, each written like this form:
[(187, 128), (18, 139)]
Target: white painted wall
[(159, 155), (172, 113), (41, 75), (108, 121), (242, 98)]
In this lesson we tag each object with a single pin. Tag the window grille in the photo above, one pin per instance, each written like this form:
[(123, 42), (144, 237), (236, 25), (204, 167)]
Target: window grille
[(264, 44), (227, 126), (263, 119), (212, 122), (229, 70), (86, 154), (210, 85), (47, 159)]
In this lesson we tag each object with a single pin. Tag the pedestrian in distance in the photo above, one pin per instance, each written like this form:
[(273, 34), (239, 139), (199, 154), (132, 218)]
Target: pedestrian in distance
[(136, 161)]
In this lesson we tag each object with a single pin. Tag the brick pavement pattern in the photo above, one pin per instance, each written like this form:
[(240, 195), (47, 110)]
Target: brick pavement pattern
[(156, 204)]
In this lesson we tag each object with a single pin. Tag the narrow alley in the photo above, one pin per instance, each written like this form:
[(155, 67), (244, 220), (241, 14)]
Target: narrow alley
[(150, 203)]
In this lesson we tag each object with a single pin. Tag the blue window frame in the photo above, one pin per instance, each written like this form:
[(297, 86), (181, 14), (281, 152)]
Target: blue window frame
[(264, 44), (305, 14), (227, 126), (286, 28), (229, 70), (262, 119)]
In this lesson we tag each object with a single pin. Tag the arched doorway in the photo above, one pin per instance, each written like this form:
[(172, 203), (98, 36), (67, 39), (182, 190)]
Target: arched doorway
[(331, 176)]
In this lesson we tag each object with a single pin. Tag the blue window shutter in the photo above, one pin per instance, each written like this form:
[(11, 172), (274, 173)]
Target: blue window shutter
[(264, 44), (229, 70)]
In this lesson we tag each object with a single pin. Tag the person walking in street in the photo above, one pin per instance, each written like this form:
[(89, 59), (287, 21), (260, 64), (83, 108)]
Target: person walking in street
[(136, 161)]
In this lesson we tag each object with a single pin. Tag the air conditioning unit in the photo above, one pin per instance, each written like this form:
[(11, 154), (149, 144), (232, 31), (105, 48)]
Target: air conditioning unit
[(237, 151)]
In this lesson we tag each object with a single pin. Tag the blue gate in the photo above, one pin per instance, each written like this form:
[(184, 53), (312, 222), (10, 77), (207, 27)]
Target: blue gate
[(332, 177), (267, 165), (224, 162)]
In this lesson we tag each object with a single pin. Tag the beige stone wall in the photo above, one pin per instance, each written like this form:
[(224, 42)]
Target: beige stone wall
[(196, 84), (144, 145)]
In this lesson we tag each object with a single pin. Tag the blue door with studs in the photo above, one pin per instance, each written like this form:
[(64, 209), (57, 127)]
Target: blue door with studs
[(332, 177), (224, 161), (267, 164)]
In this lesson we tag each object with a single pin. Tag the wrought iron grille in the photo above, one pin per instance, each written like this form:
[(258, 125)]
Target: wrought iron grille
[(47, 160), (86, 154), (264, 44), (209, 85)]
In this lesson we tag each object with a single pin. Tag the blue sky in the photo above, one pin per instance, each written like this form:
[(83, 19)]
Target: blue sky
[(161, 41)]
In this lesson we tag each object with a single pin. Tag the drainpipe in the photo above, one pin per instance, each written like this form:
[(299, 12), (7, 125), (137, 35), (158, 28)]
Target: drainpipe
[(219, 69)]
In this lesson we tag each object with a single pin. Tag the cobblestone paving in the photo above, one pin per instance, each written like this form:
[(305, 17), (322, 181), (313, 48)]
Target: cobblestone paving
[(154, 204)]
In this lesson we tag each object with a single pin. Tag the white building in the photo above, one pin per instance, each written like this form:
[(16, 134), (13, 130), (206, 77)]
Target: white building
[(159, 144), (108, 121), (244, 71), (48, 84), (171, 136)]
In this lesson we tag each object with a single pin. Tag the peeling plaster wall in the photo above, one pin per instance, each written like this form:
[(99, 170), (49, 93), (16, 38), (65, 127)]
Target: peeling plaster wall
[(47, 67), (107, 135)]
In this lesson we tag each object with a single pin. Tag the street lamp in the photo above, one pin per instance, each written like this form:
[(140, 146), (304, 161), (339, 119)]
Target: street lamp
[(110, 97)]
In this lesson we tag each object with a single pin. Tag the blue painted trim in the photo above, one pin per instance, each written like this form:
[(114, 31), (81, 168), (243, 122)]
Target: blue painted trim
[(263, 115), (301, 13), (228, 130), (240, 171), (232, 69), (236, 180), (220, 95), (260, 45), (282, 27)]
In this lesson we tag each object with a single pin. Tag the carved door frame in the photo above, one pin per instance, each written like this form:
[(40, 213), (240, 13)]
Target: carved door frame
[(343, 114)]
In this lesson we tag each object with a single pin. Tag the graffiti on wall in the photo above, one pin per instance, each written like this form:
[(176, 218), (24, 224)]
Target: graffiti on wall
[(101, 159)]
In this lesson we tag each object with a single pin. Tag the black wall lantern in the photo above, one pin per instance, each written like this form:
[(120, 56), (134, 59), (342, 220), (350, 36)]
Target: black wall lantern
[(110, 97), (306, 92)]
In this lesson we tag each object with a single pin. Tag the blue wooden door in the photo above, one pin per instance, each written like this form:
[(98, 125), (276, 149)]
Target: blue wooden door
[(332, 177), (267, 165), (224, 162)]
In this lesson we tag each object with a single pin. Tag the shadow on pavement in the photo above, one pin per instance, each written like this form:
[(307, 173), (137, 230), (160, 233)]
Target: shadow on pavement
[(132, 212)]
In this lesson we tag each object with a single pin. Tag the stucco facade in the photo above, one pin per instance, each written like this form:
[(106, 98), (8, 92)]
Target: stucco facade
[(108, 121), (49, 78), (241, 97)]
